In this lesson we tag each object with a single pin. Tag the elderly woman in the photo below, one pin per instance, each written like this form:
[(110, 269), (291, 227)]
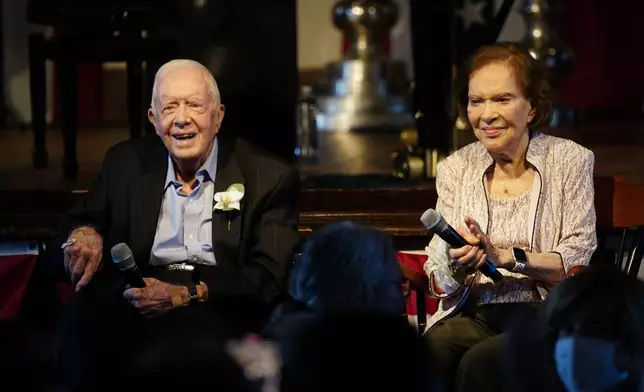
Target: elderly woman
[(524, 203)]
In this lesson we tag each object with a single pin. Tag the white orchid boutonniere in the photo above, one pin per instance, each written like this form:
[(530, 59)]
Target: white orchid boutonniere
[(229, 200)]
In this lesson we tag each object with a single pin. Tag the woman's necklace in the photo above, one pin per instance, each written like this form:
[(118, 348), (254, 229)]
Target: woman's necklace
[(504, 186)]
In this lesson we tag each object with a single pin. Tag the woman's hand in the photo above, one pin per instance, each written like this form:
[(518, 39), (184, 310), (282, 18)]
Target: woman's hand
[(467, 257), (501, 258)]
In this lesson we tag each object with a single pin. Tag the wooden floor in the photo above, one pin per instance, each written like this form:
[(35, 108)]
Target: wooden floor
[(16, 168), (618, 147)]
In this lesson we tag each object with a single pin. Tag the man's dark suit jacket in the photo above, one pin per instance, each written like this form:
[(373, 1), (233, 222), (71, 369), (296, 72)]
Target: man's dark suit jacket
[(252, 258)]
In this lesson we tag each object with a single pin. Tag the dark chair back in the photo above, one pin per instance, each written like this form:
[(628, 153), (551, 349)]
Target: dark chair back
[(622, 246)]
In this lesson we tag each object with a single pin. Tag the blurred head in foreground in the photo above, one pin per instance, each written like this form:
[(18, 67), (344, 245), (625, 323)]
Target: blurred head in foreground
[(595, 323), (346, 267), (355, 352)]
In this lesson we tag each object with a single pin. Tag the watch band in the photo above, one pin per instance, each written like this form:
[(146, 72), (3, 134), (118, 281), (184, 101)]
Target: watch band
[(202, 291), (520, 259), (176, 297), (192, 292)]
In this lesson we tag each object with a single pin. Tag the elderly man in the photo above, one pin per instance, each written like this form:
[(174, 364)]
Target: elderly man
[(211, 222)]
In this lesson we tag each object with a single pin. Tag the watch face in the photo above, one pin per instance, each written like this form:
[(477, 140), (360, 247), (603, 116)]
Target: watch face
[(519, 255), (192, 291)]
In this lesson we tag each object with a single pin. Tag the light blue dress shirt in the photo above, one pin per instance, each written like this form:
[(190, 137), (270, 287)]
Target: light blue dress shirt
[(184, 230)]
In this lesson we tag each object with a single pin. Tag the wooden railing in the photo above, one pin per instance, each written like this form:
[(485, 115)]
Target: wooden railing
[(35, 214)]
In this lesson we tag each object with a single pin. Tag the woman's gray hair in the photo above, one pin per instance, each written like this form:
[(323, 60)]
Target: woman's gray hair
[(185, 63)]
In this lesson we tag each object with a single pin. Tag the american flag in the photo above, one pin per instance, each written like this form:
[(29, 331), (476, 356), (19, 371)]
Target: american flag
[(481, 22)]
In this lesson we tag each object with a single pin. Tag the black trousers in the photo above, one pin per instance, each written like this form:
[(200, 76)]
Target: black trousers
[(103, 339), (467, 348)]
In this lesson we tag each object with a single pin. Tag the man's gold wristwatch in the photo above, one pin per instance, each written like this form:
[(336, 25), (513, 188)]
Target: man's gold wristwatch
[(193, 294)]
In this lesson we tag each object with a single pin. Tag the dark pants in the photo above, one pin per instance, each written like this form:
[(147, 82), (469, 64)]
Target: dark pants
[(467, 348), (104, 339)]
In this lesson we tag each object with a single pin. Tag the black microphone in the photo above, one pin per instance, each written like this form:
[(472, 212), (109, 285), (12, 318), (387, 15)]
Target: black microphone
[(434, 222), (124, 259)]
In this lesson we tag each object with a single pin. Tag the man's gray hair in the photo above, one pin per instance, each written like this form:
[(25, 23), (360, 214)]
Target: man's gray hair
[(185, 63)]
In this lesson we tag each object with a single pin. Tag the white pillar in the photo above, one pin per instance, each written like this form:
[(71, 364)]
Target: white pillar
[(319, 42), (16, 60), (401, 37)]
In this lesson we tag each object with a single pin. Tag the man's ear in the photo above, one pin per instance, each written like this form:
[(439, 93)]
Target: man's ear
[(219, 115), (151, 117)]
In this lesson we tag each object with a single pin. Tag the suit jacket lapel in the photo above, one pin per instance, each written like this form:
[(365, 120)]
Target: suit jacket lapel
[(147, 201), (226, 238)]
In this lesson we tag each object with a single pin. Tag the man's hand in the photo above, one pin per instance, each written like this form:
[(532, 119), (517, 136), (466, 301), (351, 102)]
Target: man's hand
[(155, 297), (83, 257)]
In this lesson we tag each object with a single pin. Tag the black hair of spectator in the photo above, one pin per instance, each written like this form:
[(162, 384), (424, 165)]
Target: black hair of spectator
[(600, 302), (192, 359), (348, 267)]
